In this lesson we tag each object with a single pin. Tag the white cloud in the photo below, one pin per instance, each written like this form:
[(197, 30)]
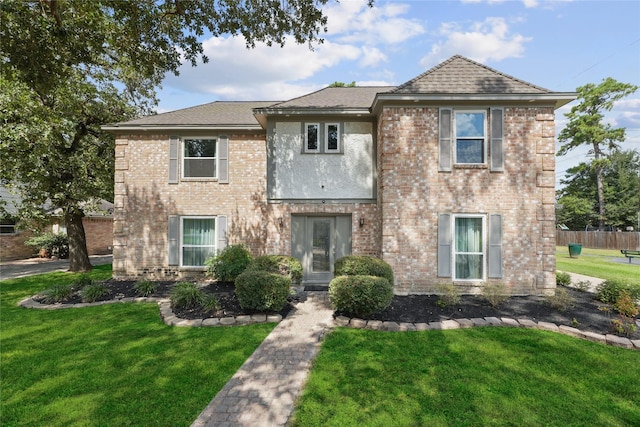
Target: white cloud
[(489, 40), (372, 56)]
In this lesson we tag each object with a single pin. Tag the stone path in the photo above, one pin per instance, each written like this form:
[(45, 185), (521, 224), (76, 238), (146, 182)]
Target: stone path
[(264, 390)]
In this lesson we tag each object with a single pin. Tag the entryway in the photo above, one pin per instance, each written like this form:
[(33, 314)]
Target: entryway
[(318, 241)]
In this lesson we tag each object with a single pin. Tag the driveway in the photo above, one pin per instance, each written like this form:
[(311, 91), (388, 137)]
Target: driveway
[(32, 266)]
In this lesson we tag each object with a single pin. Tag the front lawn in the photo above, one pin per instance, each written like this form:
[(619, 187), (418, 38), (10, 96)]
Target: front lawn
[(111, 365), (471, 377), (598, 263)]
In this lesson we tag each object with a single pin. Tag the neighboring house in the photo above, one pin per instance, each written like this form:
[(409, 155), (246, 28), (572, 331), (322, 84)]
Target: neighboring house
[(449, 178), (98, 226)]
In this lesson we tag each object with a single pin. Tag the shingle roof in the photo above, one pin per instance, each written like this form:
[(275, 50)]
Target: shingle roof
[(219, 113), (336, 97), (460, 75)]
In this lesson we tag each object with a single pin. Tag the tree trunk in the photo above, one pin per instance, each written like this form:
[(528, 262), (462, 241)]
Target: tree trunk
[(78, 253), (601, 210)]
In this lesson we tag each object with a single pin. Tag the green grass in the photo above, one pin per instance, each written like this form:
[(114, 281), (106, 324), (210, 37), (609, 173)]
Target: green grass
[(471, 377), (111, 365), (598, 263)]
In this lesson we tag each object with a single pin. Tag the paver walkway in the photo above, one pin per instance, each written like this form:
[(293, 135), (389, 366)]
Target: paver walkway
[(265, 388)]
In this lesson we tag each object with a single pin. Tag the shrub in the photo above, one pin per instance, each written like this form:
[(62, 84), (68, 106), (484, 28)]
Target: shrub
[(583, 285), (53, 244), (186, 295), (561, 300), (625, 305), (262, 291), (145, 288), (228, 264), (93, 293), (361, 295), (57, 293), (357, 265), (609, 291), (210, 303), (562, 278), (82, 281), (449, 295), (495, 293), (279, 264)]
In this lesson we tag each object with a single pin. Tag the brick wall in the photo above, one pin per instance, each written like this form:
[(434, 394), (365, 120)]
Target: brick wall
[(413, 193), (12, 246), (99, 234)]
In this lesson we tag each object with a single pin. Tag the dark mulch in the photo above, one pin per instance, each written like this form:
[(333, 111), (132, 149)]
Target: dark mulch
[(586, 312)]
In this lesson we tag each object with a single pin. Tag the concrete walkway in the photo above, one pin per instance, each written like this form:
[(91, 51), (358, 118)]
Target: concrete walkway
[(593, 281), (31, 266), (264, 390)]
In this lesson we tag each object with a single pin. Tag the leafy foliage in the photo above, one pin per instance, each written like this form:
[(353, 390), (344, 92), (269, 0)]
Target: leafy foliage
[(609, 291), (186, 295), (359, 294), (55, 244), (563, 278), (82, 281), (145, 288), (57, 293), (262, 291), (94, 292), (448, 295), (561, 300), (495, 293), (280, 264), (359, 265), (229, 263)]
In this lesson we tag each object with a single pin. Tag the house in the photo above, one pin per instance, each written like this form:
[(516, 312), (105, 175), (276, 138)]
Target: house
[(97, 222), (448, 177)]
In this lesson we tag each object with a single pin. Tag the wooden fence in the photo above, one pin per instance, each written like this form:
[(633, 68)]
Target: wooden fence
[(600, 239)]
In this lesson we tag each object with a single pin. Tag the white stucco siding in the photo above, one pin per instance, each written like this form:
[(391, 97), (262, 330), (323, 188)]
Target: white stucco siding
[(348, 175)]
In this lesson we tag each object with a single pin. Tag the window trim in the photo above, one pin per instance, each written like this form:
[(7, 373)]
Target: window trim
[(326, 138), (12, 227), (181, 244), (216, 158), (306, 137), (454, 244), (485, 137)]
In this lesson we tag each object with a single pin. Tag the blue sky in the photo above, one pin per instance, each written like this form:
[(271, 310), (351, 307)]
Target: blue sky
[(556, 44)]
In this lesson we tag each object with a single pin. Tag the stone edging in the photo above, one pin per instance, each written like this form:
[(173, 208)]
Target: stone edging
[(166, 314), (608, 339)]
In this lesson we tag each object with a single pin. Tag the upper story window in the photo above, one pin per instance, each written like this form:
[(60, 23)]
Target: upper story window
[(322, 138), (199, 158), (332, 137), (311, 138), (7, 226), (470, 137)]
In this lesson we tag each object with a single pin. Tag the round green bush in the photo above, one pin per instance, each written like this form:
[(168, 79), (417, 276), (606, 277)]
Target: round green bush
[(360, 265), (262, 291), (360, 295), (229, 263), (562, 278), (279, 264)]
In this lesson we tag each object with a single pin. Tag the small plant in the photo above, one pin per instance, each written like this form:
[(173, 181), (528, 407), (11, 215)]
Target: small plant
[(94, 292), (561, 300), (575, 323), (623, 326), (583, 285), (360, 295), (210, 303), (356, 265), (57, 293), (609, 291), (279, 264), (449, 295), (145, 288), (51, 244), (562, 278), (82, 282), (186, 295), (229, 264), (262, 291), (625, 305), (495, 293)]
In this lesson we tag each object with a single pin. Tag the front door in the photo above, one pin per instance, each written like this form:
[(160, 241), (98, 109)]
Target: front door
[(318, 241)]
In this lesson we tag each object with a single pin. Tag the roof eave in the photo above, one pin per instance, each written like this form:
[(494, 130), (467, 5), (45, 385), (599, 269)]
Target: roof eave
[(113, 128)]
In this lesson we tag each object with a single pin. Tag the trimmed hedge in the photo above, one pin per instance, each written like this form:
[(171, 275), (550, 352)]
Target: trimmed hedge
[(229, 263), (360, 295), (262, 291), (360, 265), (279, 264)]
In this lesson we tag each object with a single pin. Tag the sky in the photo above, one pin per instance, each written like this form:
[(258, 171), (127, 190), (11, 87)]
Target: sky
[(557, 44)]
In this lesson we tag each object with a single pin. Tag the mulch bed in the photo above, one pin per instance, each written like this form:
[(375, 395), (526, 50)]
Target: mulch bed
[(586, 313)]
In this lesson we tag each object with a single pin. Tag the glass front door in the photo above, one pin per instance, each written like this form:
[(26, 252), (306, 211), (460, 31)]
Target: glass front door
[(321, 245)]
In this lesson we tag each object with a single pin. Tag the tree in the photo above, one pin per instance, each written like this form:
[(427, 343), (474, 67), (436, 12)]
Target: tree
[(342, 84), (69, 66), (586, 127)]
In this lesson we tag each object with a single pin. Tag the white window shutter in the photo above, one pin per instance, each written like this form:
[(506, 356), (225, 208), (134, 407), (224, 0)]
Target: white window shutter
[(221, 233), (445, 239), (495, 246), (444, 145), (223, 160), (497, 137), (174, 147), (174, 240)]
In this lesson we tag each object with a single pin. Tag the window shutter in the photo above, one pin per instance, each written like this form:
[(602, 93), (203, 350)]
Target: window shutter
[(221, 233), (174, 144), (174, 240), (445, 140), (495, 246), (223, 160), (497, 132), (444, 245)]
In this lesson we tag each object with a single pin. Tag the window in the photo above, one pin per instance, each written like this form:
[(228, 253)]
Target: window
[(199, 158), (332, 137), (7, 226), (470, 137), (468, 247), (311, 138), (198, 240)]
